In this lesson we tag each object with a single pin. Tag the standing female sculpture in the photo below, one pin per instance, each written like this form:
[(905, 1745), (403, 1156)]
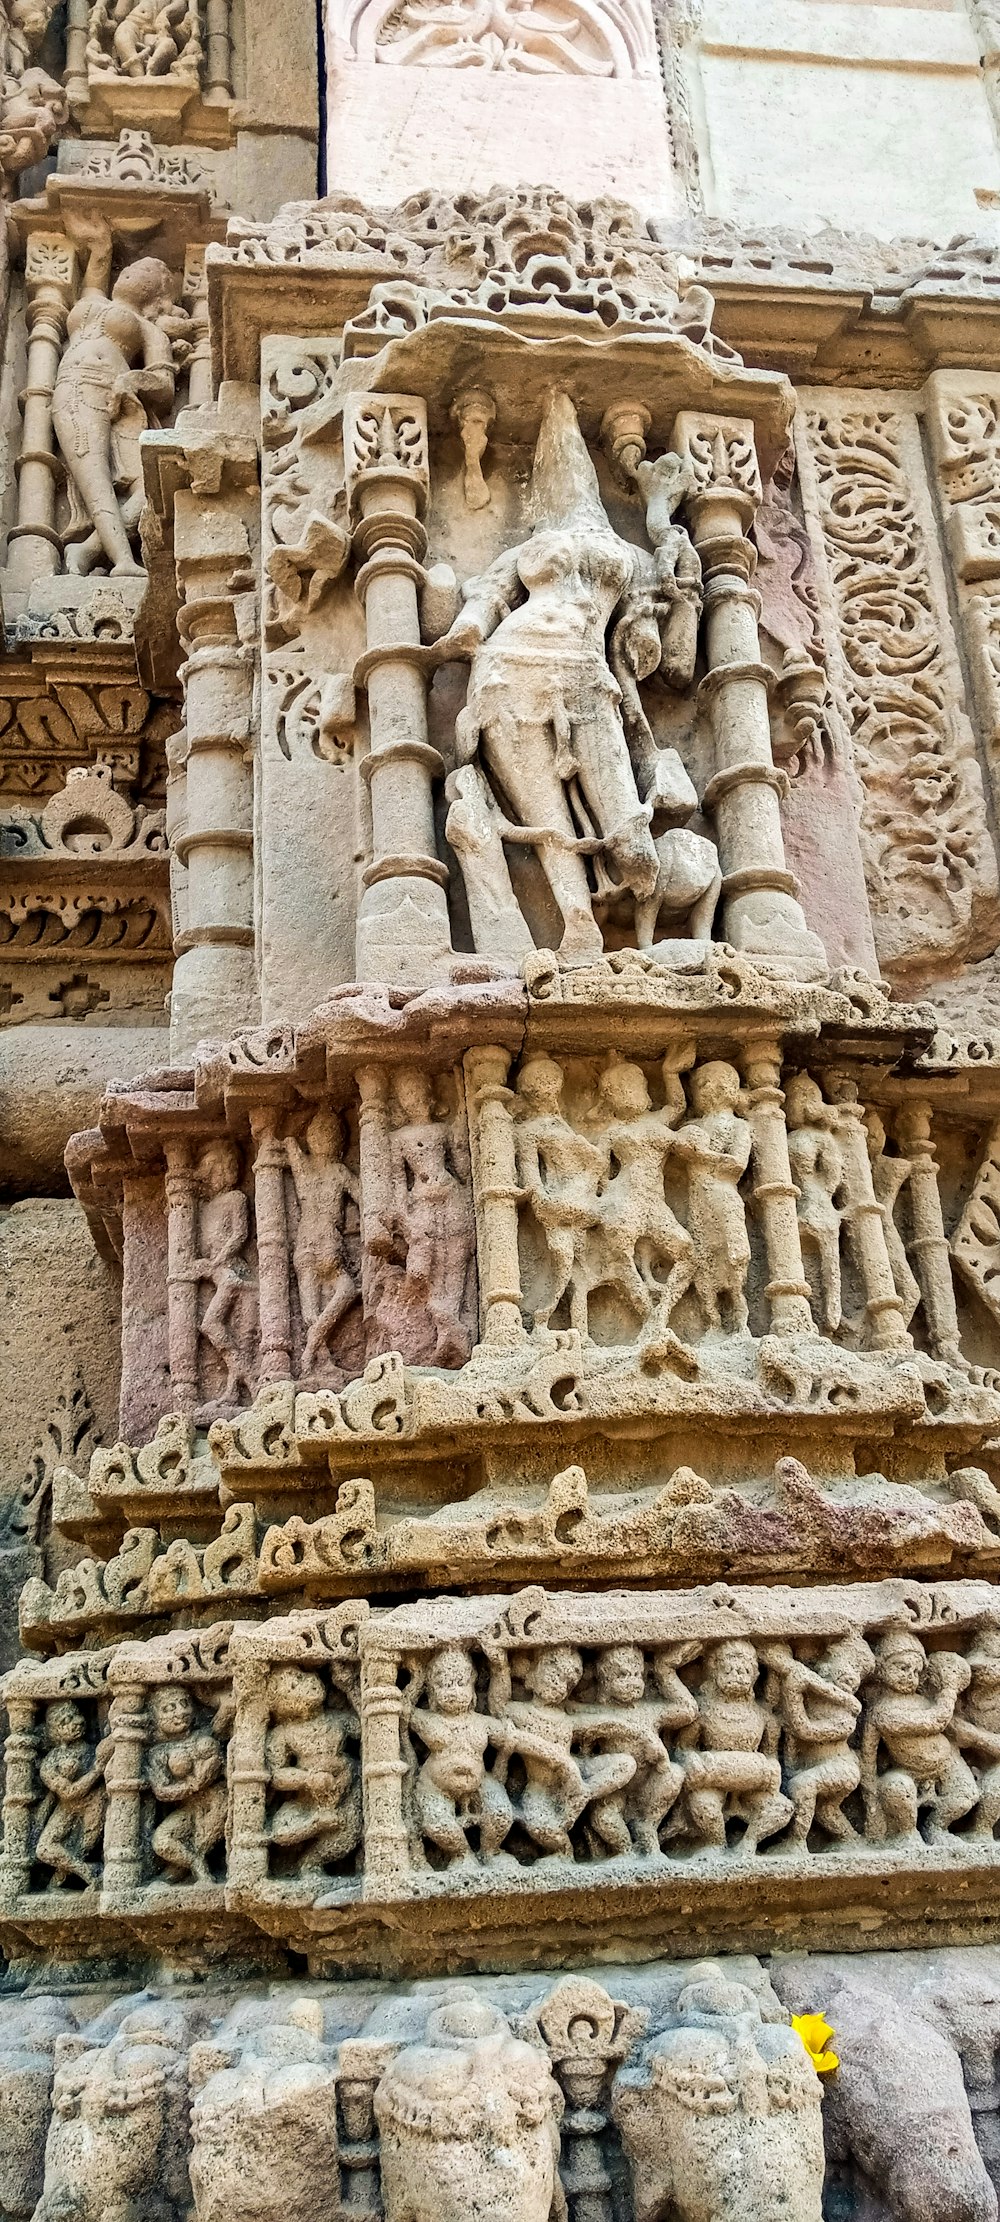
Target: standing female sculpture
[(115, 379)]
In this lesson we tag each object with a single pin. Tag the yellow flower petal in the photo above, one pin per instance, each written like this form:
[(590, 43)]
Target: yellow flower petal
[(815, 2032)]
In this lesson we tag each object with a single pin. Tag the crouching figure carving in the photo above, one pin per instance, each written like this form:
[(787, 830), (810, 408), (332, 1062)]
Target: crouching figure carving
[(721, 2115), (469, 2122)]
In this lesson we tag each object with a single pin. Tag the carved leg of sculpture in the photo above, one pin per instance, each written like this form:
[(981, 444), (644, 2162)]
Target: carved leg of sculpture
[(988, 1808), (898, 1804), (826, 1249), (560, 1243), (53, 1851), (957, 1793), (817, 1794), (496, 1819), (216, 1330), (708, 1819), (701, 916), (172, 1842), (653, 1801), (440, 1823), (331, 1312), (87, 440), (768, 1815)]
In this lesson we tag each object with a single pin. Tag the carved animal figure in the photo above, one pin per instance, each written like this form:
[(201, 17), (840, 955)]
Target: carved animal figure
[(721, 2114), (469, 2122)]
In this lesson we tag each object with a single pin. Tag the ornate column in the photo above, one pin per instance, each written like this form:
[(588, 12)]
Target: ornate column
[(774, 1195), (403, 932), (928, 1244), (182, 1286), (272, 1246), (195, 299), (77, 35), (215, 983), (248, 1776), (123, 1776), (376, 1178), (20, 1753), (34, 550), (761, 910), (864, 1221), (217, 67), (496, 1191), (383, 1768)]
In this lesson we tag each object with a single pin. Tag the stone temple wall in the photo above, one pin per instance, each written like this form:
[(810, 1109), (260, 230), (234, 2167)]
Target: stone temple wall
[(500, 1111)]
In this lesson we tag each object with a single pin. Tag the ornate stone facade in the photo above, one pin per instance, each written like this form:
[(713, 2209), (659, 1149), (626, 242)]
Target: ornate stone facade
[(500, 1071)]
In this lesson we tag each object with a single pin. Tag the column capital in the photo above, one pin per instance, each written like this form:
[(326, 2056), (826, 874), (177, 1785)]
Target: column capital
[(386, 462)]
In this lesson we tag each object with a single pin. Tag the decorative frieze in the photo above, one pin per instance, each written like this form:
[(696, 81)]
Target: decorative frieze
[(930, 863)]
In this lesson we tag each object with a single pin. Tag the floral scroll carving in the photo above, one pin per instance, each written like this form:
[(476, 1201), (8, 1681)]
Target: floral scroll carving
[(930, 866)]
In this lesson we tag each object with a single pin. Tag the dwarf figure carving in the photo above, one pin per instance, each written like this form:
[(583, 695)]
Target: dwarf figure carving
[(910, 1721), (453, 1792), (727, 1773), (722, 2114), (469, 2122), (313, 1774)]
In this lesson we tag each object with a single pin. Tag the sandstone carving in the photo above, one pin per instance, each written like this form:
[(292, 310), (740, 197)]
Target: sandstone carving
[(491, 679)]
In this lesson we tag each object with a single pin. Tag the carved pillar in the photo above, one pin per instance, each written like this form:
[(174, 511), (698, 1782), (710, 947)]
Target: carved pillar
[(387, 1846), (774, 1195), (20, 1753), (214, 986), (495, 1182), (123, 1776), (761, 910), (928, 1246), (77, 35), (247, 1856), (363, 2061), (182, 1284), (195, 298), (272, 1246), (34, 550), (403, 930), (865, 1225), (217, 67), (376, 1178)]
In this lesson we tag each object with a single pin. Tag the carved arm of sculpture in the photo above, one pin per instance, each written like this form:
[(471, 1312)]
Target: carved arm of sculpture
[(172, 1789), (487, 600)]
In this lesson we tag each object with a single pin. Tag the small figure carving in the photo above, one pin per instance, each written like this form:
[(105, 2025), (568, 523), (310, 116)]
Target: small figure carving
[(722, 2113), (317, 1820), (325, 1189), (817, 1168), (715, 1144), (726, 1773), (910, 1711), (977, 1727), (889, 1178), (184, 1764), (71, 1814), (559, 1786), (224, 1234), (627, 1720), (647, 1254), (429, 1239), (560, 1172), (819, 1709), (453, 1791), (146, 38), (32, 110), (116, 378)]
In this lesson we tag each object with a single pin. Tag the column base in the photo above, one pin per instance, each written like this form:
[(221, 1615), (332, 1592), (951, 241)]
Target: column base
[(404, 934)]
